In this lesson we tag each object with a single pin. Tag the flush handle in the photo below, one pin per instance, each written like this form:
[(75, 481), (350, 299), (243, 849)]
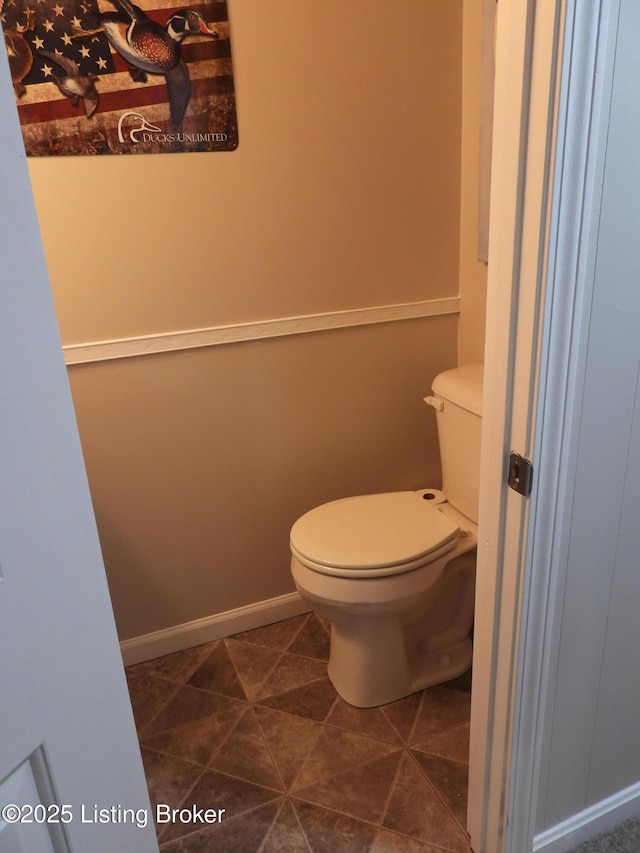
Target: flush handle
[(436, 402), (520, 474)]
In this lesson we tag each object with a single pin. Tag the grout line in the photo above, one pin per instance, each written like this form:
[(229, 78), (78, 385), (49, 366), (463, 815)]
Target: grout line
[(289, 795), (273, 823), (392, 787), (182, 801), (143, 729), (295, 814), (438, 794), (267, 675), (292, 787), (271, 756), (297, 634)]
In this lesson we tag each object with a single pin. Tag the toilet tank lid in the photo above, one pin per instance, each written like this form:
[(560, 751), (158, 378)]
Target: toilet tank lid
[(371, 531), (461, 386)]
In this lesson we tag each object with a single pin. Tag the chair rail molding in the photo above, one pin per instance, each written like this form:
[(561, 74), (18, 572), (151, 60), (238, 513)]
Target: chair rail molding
[(91, 351)]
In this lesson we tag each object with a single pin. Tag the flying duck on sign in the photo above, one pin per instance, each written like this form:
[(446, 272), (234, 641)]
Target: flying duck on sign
[(73, 84), (151, 48)]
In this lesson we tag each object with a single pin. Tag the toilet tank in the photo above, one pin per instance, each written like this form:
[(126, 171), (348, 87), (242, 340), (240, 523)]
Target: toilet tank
[(458, 403)]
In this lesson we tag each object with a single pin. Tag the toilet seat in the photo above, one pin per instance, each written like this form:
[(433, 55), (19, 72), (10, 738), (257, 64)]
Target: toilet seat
[(372, 535)]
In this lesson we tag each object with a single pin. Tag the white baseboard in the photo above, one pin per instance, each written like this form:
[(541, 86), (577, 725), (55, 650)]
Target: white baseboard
[(179, 637), (590, 822)]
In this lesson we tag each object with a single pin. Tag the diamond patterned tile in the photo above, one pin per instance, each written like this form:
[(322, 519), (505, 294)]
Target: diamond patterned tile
[(242, 834), (313, 701), (402, 715), (361, 792), (365, 721), (199, 740), (188, 704), (391, 842), (290, 672), (278, 635), (285, 836), (148, 695), (450, 779), (328, 832), (336, 751), (177, 666), (218, 674), (290, 739), (441, 709), (245, 755), (253, 664), (416, 810), (312, 640), (169, 780), (452, 743), (215, 790), (252, 725)]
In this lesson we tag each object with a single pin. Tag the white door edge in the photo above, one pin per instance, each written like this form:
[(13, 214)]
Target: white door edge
[(67, 729), (527, 60)]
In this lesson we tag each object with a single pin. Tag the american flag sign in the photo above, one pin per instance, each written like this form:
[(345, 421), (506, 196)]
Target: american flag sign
[(111, 77)]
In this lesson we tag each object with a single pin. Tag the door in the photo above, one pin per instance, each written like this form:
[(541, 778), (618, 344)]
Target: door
[(71, 777)]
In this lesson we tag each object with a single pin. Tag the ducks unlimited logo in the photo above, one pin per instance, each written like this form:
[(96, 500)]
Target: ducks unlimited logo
[(133, 127), (117, 79)]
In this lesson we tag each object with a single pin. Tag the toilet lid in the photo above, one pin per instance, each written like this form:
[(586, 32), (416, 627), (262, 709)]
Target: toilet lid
[(371, 531)]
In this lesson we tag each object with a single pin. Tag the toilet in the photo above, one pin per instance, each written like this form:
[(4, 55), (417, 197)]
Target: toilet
[(394, 573)]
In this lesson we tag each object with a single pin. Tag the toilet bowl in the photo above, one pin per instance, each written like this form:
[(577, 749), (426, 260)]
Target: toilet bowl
[(394, 573), (401, 563)]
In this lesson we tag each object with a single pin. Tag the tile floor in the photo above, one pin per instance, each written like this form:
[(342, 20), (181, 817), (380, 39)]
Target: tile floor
[(252, 725)]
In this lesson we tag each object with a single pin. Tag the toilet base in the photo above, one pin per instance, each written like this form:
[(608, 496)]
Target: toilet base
[(394, 636), (380, 679)]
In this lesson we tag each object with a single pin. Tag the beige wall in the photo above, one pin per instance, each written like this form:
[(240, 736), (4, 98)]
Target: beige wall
[(201, 461), (343, 194), (473, 273), (344, 190)]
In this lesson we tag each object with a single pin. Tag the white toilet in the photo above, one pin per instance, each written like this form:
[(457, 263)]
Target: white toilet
[(394, 573)]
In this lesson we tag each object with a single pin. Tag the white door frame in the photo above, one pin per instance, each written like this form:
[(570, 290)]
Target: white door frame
[(553, 76), (527, 35)]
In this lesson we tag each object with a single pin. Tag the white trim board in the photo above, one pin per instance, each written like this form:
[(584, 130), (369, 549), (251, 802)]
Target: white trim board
[(210, 628), (527, 55), (592, 821), (583, 99), (239, 332)]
